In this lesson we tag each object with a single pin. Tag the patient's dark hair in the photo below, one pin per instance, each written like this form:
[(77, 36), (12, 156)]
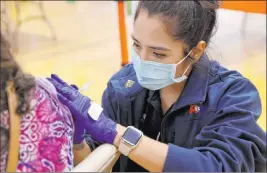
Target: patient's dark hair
[(10, 71), (190, 21)]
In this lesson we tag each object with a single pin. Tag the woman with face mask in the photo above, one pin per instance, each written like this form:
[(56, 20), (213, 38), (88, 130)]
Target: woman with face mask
[(173, 109)]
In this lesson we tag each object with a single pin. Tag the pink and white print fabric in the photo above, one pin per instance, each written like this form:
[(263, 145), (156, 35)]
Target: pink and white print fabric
[(46, 133)]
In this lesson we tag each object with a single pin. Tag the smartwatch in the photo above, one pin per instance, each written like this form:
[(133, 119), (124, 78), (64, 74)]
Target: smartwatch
[(129, 140)]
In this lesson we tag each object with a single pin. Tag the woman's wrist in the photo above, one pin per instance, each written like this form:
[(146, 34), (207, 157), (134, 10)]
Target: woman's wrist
[(120, 131)]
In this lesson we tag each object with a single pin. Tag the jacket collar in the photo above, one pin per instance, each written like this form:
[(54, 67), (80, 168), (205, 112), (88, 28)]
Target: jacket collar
[(195, 90)]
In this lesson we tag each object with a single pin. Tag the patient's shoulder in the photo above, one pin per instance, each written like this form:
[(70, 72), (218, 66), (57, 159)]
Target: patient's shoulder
[(46, 133), (45, 102), (50, 124)]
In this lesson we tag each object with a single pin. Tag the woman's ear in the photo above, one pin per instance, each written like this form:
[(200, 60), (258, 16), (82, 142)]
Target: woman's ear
[(197, 51)]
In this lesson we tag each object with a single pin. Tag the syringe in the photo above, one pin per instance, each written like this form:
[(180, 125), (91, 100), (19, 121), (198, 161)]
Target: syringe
[(85, 86)]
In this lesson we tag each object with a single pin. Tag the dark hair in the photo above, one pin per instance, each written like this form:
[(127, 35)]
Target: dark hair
[(10, 71), (190, 21)]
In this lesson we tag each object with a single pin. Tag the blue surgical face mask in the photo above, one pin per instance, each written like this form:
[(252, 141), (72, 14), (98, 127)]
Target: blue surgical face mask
[(154, 75)]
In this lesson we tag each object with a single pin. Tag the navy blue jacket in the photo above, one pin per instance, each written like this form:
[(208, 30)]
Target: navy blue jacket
[(222, 136)]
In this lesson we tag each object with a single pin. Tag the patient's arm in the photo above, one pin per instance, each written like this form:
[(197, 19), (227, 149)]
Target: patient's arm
[(80, 152)]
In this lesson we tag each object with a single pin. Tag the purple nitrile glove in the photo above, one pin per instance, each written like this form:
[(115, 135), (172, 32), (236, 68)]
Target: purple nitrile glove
[(79, 129), (102, 129)]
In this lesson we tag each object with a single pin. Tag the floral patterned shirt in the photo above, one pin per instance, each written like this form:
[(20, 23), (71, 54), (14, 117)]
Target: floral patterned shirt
[(46, 133)]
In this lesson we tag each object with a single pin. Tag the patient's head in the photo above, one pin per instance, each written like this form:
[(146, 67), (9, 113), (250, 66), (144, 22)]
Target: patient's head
[(10, 70)]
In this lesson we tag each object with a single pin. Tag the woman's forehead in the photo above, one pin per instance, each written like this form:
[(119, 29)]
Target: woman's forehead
[(151, 31), (150, 28)]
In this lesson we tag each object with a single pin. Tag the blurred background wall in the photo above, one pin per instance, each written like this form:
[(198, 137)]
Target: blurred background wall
[(80, 40)]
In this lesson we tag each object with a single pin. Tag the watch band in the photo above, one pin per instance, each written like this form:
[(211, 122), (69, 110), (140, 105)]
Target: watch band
[(124, 148)]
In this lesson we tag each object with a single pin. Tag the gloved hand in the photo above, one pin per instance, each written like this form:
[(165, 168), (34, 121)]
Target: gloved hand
[(101, 128), (79, 129)]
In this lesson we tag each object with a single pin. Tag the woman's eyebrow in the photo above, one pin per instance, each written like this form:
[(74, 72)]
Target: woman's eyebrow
[(135, 39), (159, 48), (153, 47)]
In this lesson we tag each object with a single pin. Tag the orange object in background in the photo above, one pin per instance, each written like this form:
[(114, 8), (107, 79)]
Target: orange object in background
[(245, 6), (123, 35)]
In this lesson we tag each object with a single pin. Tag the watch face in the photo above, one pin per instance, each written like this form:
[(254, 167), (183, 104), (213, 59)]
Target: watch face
[(132, 136)]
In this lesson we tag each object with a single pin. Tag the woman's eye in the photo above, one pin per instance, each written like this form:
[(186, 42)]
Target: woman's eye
[(136, 45), (158, 55)]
